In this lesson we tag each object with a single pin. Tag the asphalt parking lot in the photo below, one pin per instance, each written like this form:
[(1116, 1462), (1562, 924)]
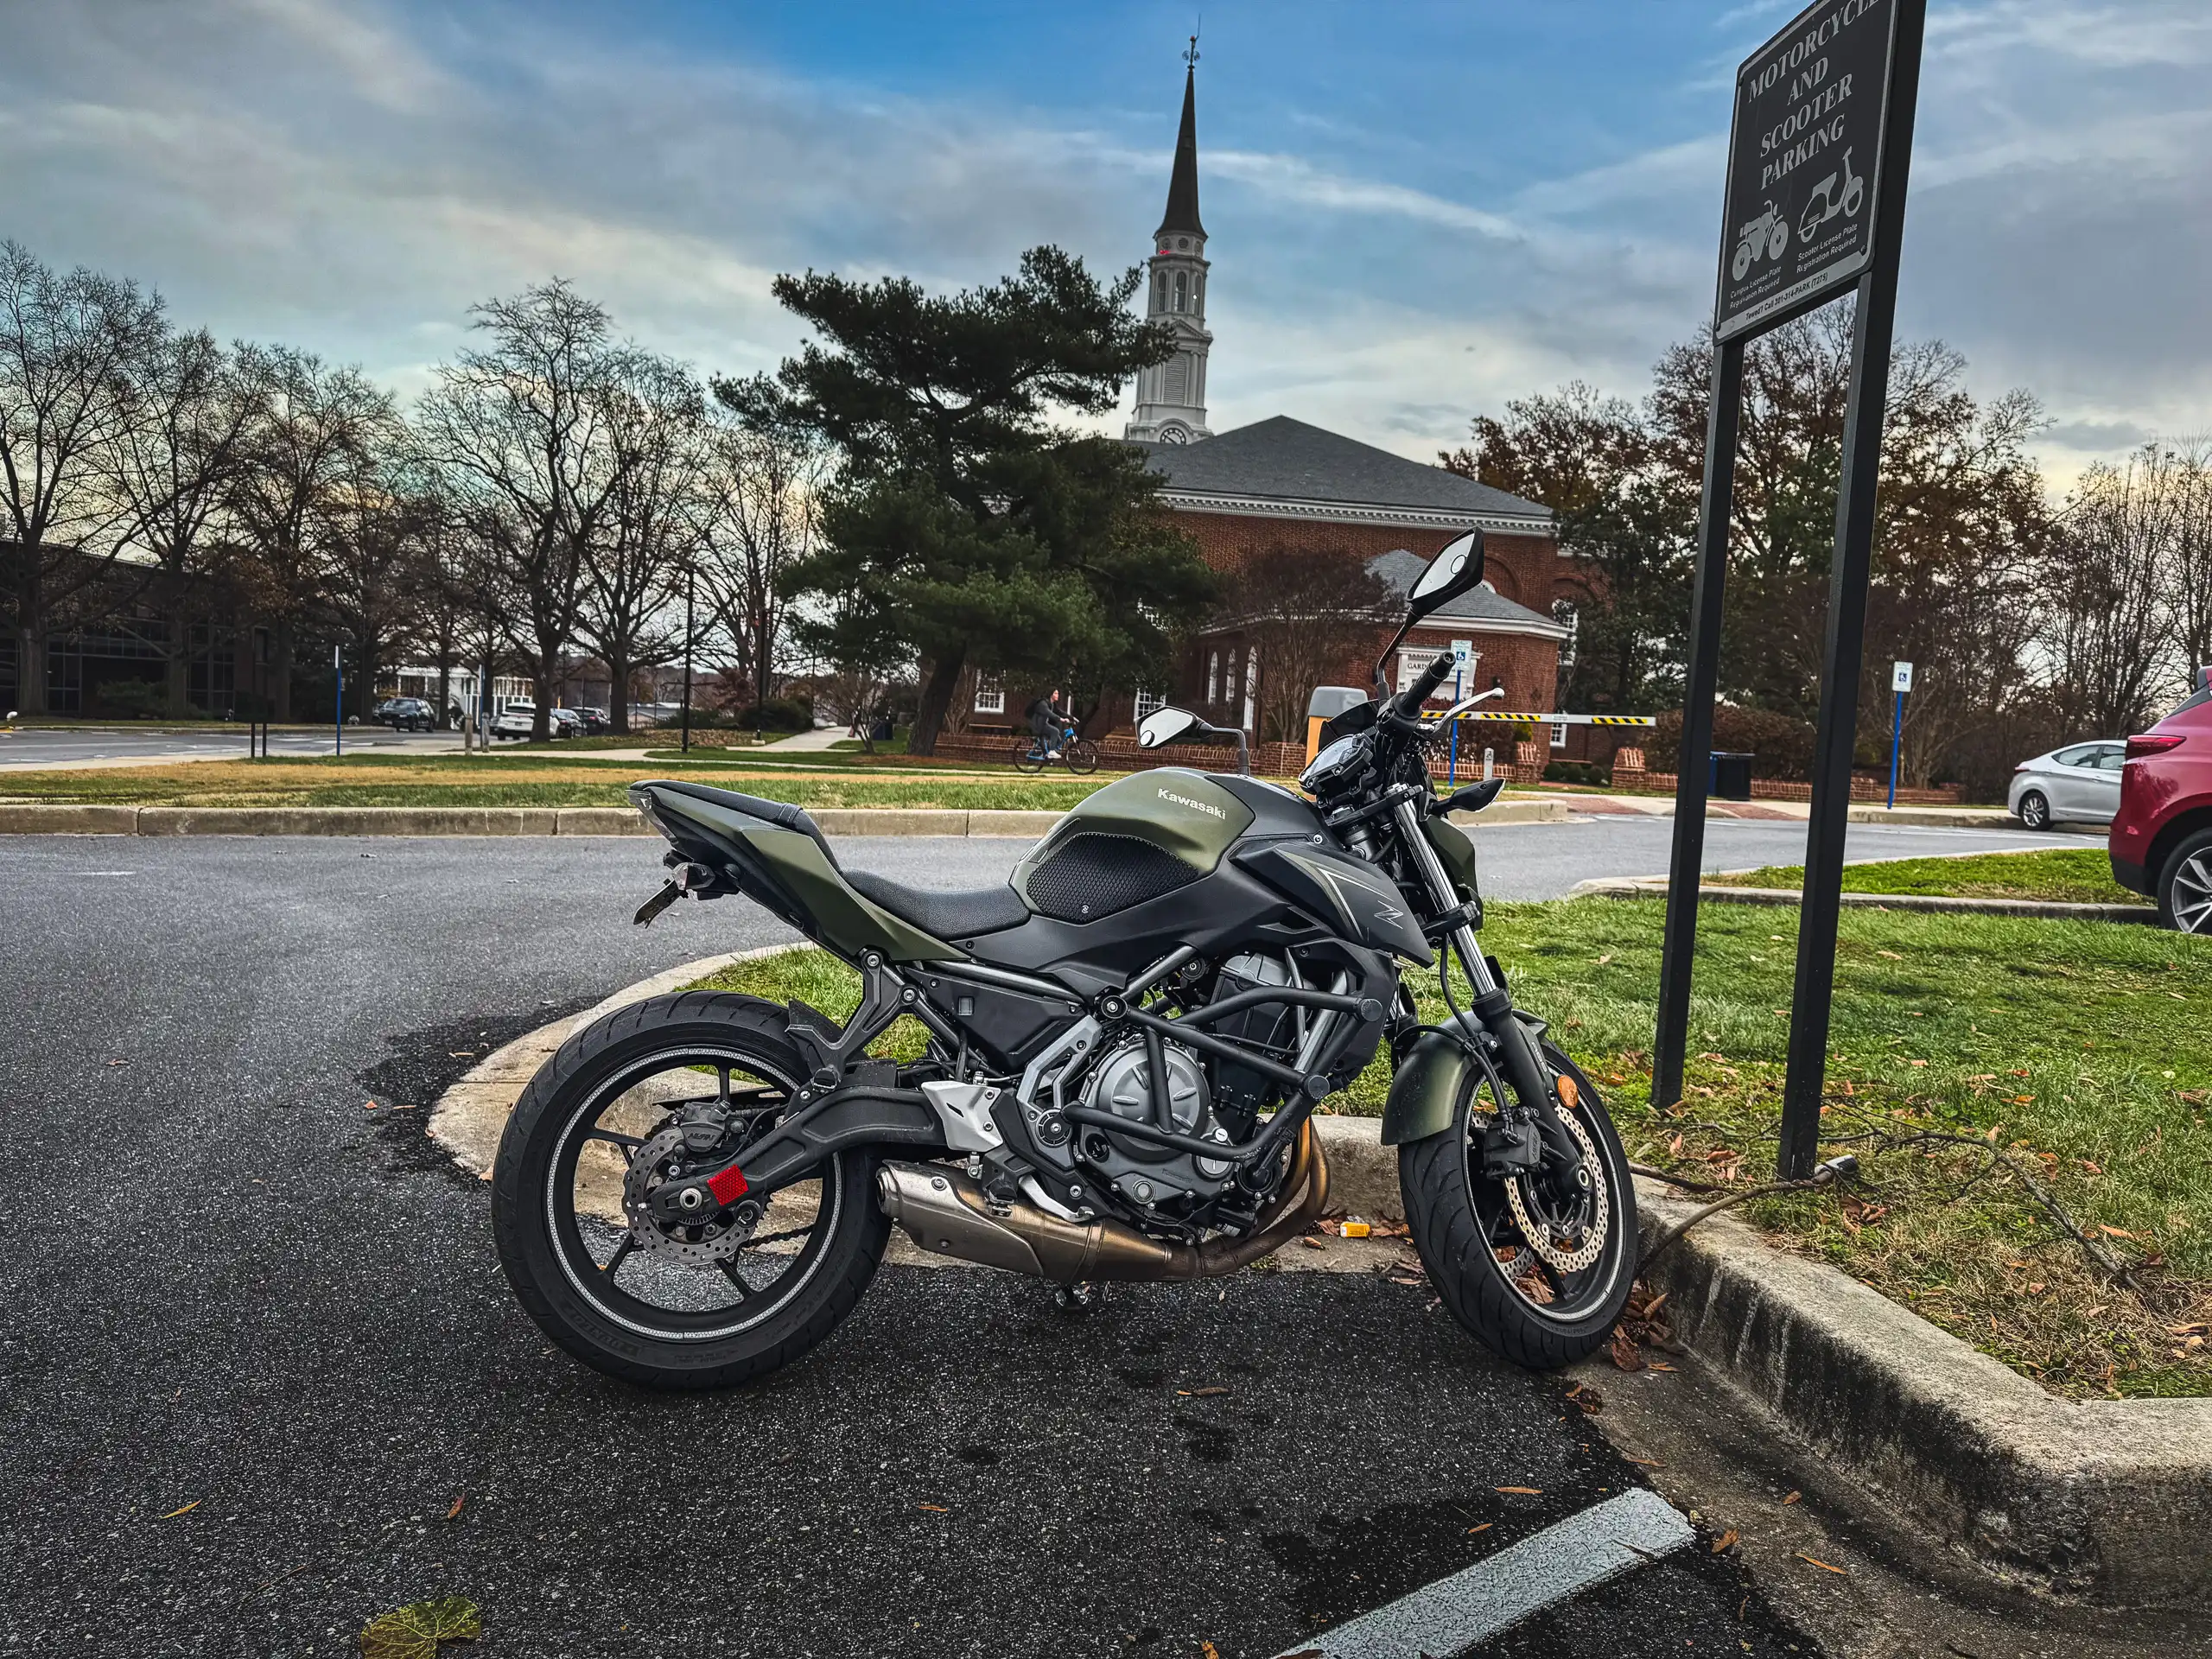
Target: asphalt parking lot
[(258, 1344), (32, 747)]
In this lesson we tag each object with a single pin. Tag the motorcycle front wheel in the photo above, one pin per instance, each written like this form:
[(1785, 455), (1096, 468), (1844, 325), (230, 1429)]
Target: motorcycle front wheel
[(648, 1094), (1538, 1279)]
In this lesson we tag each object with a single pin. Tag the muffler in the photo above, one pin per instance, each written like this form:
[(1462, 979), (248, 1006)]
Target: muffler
[(947, 1213)]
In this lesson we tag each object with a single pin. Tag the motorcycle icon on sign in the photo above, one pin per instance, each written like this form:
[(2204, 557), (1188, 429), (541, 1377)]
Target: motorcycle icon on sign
[(1767, 234), (1841, 192)]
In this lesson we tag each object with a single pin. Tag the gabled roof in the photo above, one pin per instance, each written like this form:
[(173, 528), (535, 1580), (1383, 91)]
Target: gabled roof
[(1482, 606), (1182, 213), (1289, 465)]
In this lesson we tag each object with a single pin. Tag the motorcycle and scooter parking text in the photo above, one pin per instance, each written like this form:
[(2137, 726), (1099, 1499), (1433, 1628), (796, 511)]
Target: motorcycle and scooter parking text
[(1127, 1042)]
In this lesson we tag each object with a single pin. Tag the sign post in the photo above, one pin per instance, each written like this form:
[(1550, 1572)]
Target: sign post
[(1818, 154), (1900, 683), (338, 708)]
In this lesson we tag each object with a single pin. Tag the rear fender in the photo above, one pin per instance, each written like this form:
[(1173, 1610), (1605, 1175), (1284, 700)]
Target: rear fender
[(789, 873)]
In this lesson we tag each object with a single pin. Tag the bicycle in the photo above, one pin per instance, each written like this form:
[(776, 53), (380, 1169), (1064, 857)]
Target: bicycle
[(1078, 754)]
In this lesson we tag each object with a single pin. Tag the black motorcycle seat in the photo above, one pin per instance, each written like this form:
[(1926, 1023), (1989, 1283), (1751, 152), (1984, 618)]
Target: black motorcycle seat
[(944, 915), (782, 814)]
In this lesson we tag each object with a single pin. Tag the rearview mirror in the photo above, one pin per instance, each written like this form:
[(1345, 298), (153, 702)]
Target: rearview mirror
[(1163, 726), (1450, 574)]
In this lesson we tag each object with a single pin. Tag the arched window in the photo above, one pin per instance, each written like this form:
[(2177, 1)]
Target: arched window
[(1197, 292), (1163, 290), (1179, 290)]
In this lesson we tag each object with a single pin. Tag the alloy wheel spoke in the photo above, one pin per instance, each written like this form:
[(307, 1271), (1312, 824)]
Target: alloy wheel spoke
[(622, 1250), (628, 1143), (731, 1272)]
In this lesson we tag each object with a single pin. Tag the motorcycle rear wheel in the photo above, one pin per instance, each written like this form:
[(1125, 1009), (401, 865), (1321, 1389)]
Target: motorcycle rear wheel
[(597, 1107), (1503, 1290)]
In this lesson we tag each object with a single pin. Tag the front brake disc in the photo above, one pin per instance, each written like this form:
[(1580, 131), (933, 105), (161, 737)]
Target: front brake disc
[(1566, 1252)]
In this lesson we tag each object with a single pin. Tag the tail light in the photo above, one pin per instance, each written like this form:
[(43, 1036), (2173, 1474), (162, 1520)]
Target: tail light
[(2147, 743)]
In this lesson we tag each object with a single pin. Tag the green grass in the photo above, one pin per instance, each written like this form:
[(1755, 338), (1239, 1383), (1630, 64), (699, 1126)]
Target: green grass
[(2080, 1050), (2074, 875), (518, 780)]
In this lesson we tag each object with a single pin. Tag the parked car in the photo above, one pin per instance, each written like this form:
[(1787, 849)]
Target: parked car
[(565, 723), (2161, 843), (516, 719), (405, 714), (595, 722), (2077, 784)]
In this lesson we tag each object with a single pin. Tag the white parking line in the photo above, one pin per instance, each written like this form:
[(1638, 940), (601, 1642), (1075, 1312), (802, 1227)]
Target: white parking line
[(1452, 1615)]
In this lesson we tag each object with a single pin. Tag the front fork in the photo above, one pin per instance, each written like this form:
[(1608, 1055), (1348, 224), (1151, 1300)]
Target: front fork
[(1519, 1056)]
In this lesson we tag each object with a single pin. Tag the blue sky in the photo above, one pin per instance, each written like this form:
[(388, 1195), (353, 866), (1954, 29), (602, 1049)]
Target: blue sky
[(1417, 210)]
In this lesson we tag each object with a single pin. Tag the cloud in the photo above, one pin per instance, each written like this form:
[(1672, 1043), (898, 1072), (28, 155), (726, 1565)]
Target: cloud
[(352, 177)]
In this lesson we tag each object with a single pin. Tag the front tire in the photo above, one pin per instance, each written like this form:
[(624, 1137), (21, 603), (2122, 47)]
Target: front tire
[(1508, 1296), (1081, 756), (2035, 810), (683, 1319), (2185, 886)]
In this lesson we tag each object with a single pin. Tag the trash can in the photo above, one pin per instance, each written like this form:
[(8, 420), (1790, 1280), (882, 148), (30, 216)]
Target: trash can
[(1731, 775)]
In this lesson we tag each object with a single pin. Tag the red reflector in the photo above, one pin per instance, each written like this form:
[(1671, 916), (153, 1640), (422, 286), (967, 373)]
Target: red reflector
[(2153, 743), (726, 1185)]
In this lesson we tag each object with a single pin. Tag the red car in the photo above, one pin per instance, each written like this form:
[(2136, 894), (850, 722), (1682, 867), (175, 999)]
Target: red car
[(2161, 841)]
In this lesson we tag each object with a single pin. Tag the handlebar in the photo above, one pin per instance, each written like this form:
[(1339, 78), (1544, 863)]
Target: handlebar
[(1406, 705)]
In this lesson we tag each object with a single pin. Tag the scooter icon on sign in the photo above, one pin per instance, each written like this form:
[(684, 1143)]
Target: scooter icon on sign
[(1829, 199), (1767, 234)]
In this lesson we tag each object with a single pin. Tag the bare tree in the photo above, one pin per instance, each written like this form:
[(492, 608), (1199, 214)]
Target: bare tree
[(1300, 608), (518, 428), (2108, 598), (765, 486), (173, 463), (2189, 557), (371, 553), (312, 454), (68, 347), (655, 422)]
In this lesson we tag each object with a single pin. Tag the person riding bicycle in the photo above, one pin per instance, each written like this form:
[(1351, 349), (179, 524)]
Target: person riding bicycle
[(1048, 719)]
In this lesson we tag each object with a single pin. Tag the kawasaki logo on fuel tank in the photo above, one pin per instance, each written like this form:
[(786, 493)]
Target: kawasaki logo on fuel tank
[(1195, 806)]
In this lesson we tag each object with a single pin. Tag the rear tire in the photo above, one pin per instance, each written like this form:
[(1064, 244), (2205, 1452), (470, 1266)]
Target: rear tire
[(1460, 1244), (2185, 886), (611, 1331), (1029, 758), (2035, 810)]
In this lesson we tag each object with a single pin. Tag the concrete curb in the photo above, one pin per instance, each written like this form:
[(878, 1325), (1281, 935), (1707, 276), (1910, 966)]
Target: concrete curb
[(40, 818), (2104, 1501), (1712, 893)]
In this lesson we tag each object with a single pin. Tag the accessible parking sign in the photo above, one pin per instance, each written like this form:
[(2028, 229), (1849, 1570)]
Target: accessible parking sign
[(1803, 155)]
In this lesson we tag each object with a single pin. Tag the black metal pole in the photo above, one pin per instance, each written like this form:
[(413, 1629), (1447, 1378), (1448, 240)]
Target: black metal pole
[(1693, 776), (1874, 320), (689, 583)]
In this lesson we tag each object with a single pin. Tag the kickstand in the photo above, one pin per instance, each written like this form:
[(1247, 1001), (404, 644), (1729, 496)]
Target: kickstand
[(1078, 1298)]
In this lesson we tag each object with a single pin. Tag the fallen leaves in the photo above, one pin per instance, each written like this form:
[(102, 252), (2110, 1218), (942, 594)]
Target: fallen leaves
[(1624, 1352), (1485, 1527), (1725, 1542), (1823, 1566), (934, 1508), (185, 1509), (416, 1631), (1521, 1491), (1201, 1393), (1587, 1398), (1792, 1498), (459, 1498)]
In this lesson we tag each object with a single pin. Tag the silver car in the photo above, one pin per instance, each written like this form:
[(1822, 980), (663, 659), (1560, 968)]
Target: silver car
[(2079, 783)]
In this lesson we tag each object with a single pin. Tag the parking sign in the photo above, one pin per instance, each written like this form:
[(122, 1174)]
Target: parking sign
[(1900, 677)]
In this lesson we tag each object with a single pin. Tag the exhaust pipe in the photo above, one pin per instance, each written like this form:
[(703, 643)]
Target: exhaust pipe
[(946, 1213)]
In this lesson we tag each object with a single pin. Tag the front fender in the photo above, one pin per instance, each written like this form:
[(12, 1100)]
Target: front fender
[(1425, 1092)]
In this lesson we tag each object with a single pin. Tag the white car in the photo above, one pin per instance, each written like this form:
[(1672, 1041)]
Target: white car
[(515, 719), (2079, 783)]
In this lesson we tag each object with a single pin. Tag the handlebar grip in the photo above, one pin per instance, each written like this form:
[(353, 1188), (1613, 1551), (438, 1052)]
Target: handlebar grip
[(1435, 674)]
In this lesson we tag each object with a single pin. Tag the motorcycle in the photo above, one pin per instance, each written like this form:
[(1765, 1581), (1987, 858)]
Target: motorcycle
[(1121, 1052)]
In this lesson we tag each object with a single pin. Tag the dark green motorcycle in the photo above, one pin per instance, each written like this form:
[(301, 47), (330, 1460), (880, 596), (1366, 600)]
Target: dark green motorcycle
[(1125, 1044)]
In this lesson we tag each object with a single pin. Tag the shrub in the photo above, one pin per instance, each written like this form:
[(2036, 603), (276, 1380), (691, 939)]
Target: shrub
[(1781, 745), (1578, 771)]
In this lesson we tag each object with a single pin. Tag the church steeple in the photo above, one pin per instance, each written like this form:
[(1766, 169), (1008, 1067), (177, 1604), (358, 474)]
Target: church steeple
[(1182, 213), (1171, 395)]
